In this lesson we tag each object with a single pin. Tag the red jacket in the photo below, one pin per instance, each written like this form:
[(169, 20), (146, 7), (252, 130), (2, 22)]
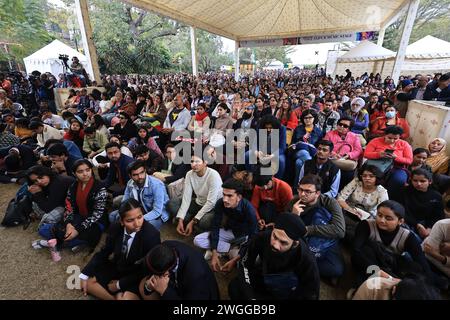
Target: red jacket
[(402, 150), (380, 124), (280, 195)]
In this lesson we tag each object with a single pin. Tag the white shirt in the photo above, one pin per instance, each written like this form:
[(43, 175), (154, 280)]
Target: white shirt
[(82, 276)]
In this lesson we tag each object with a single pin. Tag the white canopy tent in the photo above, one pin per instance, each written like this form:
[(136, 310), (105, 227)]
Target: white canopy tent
[(366, 51), (427, 55), (366, 57), (428, 47), (47, 59)]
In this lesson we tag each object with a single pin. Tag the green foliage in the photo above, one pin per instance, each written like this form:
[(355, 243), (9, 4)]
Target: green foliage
[(22, 22), (433, 18), (209, 51), (264, 55)]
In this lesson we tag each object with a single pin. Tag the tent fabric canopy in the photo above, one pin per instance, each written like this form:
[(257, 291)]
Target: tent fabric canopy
[(47, 59), (269, 19), (366, 51), (428, 47)]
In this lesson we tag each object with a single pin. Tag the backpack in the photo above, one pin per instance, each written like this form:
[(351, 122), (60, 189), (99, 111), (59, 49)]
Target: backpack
[(318, 245), (19, 209)]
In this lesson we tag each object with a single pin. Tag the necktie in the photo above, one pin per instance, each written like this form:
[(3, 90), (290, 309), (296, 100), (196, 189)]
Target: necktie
[(139, 195), (125, 244)]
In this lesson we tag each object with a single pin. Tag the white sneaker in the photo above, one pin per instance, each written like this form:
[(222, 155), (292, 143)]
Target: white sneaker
[(208, 255)]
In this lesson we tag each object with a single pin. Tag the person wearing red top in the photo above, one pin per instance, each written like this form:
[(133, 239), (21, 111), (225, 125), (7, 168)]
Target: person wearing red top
[(390, 118), (5, 84), (401, 154), (378, 113), (75, 133), (270, 196), (286, 115)]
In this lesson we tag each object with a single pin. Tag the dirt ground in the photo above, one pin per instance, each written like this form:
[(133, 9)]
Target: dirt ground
[(31, 275)]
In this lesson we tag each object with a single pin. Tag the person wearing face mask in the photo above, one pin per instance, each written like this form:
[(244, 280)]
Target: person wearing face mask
[(361, 118), (390, 118)]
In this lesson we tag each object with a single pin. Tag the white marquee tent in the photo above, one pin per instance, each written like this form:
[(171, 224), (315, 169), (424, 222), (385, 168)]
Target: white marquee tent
[(47, 59), (427, 55), (366, 57), (366, 51)]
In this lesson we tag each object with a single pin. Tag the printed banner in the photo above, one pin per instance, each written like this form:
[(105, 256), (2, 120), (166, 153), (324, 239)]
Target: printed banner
[(334, 37)]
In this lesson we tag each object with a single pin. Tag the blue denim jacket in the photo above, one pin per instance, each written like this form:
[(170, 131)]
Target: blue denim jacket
[(154, 198)]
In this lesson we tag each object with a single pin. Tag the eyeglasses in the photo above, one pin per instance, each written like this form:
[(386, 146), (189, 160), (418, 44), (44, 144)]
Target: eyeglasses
[(307, 192), (122, 118), (355, 105), (343, 125)]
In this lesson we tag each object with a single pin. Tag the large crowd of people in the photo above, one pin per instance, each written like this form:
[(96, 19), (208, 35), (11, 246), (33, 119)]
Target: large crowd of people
[(334, 171)]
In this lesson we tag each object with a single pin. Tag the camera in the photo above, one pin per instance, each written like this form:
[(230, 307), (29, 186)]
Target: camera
[(64, 57)]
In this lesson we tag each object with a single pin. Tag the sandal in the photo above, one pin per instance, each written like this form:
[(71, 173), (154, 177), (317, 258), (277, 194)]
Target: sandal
[(39, 244)]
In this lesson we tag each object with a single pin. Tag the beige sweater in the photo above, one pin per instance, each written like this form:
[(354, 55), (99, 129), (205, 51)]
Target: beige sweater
[(439, 233), (208, 189)]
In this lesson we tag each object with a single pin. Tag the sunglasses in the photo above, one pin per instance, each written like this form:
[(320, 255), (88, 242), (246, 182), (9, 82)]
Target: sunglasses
[(346, 126)]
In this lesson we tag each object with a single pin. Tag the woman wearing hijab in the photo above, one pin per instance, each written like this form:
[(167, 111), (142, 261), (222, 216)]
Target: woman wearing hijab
[(438, 160)]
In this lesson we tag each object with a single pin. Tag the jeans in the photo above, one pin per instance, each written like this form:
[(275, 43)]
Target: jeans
[(395, 181), (45, 231), (205, 222), (300, 157), (331, 264)]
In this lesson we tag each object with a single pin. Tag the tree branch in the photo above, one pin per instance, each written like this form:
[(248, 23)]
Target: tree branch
[(165, 34), (142, 31)]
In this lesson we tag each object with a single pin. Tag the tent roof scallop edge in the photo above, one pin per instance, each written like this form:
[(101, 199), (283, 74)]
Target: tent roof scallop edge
[(272, 19), (366, 51)]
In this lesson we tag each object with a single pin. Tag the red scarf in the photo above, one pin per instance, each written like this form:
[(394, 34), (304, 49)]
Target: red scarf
[(201, 117), (81, 198)]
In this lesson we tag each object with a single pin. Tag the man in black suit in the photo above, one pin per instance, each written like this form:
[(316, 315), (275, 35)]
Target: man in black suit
[(177, 271), (129, 242)]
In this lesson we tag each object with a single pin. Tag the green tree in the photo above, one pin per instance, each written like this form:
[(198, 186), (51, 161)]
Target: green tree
[(209, 51), (130, 40), (265, 55), (433, 18), (22, 22)]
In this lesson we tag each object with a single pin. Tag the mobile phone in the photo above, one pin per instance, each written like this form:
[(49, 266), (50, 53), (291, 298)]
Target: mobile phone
[(389, 151)]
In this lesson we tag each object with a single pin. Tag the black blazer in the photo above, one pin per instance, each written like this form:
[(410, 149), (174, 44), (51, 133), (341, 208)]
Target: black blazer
[(195, 279), (129, 267)]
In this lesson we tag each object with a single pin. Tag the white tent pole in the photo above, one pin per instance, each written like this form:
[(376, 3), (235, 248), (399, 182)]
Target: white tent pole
[(88, 43), (236, 60), (194, 51), (409, 23), (381, 36)]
